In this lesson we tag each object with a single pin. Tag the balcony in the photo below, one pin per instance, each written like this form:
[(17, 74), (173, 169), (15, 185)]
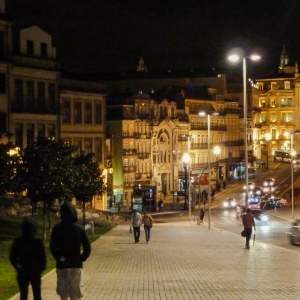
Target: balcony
[(129, 169), (234, 143), (128, 134), (128, 185), (129, 151), (212, 127), (143, 155)]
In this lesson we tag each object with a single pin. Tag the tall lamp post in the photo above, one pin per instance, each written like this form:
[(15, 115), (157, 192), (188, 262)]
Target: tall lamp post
[(203, 114), (217, 151), (293, 153), (186, 160), (267, 137), (235, 58), (173, 163)]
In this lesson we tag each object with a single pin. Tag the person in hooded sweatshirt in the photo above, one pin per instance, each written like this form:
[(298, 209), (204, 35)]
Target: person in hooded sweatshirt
[(27, 255), (66, 241)]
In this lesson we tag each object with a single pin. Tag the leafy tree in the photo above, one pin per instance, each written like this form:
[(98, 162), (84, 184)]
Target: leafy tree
[(89, 180), (9, 161), (47, 174)]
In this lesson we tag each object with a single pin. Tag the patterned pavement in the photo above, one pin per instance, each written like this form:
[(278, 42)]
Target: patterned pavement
[(185, 261)]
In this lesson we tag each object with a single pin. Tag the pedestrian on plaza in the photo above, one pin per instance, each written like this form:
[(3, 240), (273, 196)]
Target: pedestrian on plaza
[(224, 184), (248, 222), (148, 223), (218, 186), (27, 255), (177, 199), (238, 211), (202, 213), (67, 239), (136, 222)]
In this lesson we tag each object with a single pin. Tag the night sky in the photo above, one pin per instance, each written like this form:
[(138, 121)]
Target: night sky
[(110, 36)]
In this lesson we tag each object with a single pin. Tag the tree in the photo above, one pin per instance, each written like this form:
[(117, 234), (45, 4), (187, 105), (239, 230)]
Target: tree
[(47, 173), (9, 162), (89, 180)]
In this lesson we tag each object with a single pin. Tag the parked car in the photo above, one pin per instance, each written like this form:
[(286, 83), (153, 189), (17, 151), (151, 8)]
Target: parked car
[(294, 233), (279, 202), (229, 203), (269, 182), (271, 203)]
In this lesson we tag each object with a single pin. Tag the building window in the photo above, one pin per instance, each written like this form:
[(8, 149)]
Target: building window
[(283, 117), (287, 85), (18, 94), (273, 132), (263, 117), (88, 146), (51, 96), (2, 45), (273, 117), (51, 131), (98, 113), (66, 113), (30, 47), (98, 150), (41, 130), (273, 104), (263, 103), (78, 146), (30, 134), (2, 83), (30, 95), (290, 101), (44, 50), (283, 102), (19, 135), (273, 86), (290, 116), (77, 113), (88, 113), (41, 96)]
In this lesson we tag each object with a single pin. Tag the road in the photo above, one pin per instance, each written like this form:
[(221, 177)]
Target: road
[(273, 231)]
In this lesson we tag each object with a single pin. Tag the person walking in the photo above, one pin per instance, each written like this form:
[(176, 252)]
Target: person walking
[(248, 222), (238, 211), (28, 257), (136, 222), (67, 239), (202, 213), (148, 223)]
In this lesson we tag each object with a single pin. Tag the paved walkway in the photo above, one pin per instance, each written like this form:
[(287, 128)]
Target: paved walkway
[(185, 261)]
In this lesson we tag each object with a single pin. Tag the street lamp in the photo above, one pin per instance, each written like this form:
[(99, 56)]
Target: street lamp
[(267, 137), (173, 162), (203, 114), (235, 58), (186, 160), (293, 153), (217, 151)]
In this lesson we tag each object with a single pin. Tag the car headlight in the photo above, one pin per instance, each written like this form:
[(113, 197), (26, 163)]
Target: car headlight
[(225, 204), (264, 218), (232, 203), (258, 192)]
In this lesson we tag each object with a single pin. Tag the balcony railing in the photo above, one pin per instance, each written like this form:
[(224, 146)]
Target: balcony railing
[(212, 127), (127, 169)]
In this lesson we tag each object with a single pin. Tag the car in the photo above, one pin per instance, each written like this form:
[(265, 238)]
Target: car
[(273, 202), (256, 191), (259, 215), (279, 202), (254, 203), (269, 182), (294, 233), (251, 186), (229, 203)]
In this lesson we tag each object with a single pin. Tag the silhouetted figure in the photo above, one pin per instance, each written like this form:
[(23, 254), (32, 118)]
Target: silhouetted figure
[(28, 257)]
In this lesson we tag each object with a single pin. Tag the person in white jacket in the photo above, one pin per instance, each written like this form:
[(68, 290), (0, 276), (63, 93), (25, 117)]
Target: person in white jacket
[(136, 222)]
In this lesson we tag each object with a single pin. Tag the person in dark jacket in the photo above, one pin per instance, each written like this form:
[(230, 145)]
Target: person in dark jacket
[(28, 257), (65, 245)]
